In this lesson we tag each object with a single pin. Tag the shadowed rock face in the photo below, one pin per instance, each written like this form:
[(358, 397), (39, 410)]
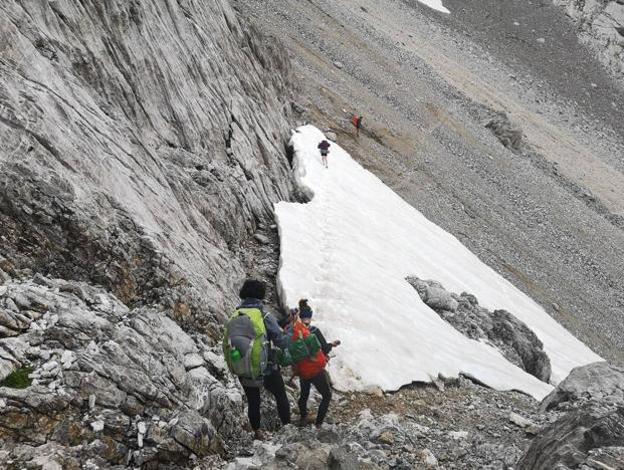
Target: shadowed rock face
[(512, 337), (591, 432), (140, 144), (581, 439)]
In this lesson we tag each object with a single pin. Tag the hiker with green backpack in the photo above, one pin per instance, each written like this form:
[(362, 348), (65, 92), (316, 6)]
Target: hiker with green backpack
[(247, 349)]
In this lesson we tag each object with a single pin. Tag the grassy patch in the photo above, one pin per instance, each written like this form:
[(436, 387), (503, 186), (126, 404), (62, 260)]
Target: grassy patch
[(18, 378)]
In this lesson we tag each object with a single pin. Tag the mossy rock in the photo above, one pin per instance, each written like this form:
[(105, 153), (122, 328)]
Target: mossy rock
[(18, 378)]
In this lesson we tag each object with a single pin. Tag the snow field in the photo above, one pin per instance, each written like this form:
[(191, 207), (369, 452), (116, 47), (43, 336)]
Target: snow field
[(349, 251)]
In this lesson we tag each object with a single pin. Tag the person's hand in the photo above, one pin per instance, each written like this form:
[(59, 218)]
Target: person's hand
[(336, 343)]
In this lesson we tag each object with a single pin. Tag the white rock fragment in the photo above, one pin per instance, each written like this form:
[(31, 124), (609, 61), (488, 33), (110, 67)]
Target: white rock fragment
[(67, 359), (458, 435), (50, 365), (193, 360), (91, 401), (97, 426), (427, 457), (520, 421)]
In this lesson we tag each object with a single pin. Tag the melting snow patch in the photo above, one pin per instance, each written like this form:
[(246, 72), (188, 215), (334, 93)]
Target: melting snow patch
[(349, 251), (435, 5)]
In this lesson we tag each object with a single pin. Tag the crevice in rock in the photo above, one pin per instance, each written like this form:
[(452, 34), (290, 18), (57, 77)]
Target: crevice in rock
[(290, 153)]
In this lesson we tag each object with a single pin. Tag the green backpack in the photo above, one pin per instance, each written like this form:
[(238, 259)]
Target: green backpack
[(245, 344), (297, 351)]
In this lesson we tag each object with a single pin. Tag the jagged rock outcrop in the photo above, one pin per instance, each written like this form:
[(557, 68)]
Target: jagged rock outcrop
[(600, 26), (141, 142), (512, 337), (590, 435), (110, 384)]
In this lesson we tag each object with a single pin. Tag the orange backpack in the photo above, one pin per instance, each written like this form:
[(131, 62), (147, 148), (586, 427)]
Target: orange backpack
[(311, 367)]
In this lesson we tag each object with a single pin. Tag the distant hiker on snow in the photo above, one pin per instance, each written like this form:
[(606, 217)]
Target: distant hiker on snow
[(246, 346), (311, 371), (357, 123), (324, 148)]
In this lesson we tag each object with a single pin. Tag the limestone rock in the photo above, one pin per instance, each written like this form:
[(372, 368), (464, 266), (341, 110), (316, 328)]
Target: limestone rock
[(140, 145), (599, 25), (599, 381), (591, 433), (520, 421), (124, 365), (569, 440)]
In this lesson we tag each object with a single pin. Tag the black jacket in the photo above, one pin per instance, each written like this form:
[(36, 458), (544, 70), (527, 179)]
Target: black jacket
[(325, 346)]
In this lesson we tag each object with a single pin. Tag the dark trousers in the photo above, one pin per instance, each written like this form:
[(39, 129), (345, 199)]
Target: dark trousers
[(274, 384), (321, 383)]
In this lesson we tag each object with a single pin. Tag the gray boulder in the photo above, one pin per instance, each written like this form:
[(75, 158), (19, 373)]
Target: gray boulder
[(587, 437), (433, 294), (508, 134), (593, 382), (591, 433)]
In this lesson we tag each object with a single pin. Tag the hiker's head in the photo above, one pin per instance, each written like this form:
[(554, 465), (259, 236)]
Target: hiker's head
[(305, 311), (252, 289)]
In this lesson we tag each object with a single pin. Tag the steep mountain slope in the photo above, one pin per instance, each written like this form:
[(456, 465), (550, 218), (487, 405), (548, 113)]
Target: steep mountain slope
[(547, 213), (141, 144), (136, 134)]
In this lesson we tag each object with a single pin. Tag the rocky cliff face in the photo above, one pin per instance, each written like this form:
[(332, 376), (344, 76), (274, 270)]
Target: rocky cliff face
[(141, 144), (601, 26)]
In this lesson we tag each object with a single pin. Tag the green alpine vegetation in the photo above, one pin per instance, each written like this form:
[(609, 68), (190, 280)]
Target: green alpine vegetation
[(18, 378)]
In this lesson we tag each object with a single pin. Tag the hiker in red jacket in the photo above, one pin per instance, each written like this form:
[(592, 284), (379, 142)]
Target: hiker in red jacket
[(357, 123), (324, 148), (312, 371)]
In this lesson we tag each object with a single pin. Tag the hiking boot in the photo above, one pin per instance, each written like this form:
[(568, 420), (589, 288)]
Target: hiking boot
[(305, 420), (259, 435)]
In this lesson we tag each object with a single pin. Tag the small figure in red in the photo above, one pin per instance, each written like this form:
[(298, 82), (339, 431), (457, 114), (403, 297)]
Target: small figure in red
[(357, 123)]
